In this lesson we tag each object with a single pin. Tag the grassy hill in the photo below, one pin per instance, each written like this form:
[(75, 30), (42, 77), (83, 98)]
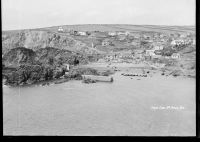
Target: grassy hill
[(49, 37)]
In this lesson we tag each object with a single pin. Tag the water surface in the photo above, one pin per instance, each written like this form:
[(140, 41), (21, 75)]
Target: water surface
[(123, 107)]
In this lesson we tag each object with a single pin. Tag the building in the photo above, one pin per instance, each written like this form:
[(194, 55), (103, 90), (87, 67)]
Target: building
[(112, 33), (175, 56), (127, 33), (150, 52), (60, 29), (105, 43), (127, 55), (177, 42), (82, 33), (110, 57), (158, 48), (156, 56), (121, 33)]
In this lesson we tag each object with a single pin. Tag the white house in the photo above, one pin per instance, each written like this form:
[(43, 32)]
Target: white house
[(158, 48), (173, 42), (156, 56), (60, 29), (177, 42), (127, 33), (112, 33), (175, 56), (183, 35), (121, 33), (150, 52), (105, 43), (82, 33)]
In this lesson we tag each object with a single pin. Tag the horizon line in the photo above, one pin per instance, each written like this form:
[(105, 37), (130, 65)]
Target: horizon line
[(93, 24)]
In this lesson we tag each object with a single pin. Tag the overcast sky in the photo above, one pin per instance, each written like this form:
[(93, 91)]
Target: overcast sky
[(22, 14)]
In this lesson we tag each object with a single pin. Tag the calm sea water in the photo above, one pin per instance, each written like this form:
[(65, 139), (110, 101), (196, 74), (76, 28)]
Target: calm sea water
[(123, 107)]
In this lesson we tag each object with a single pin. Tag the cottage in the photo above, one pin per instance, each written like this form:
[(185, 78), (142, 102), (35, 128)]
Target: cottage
[(72, 32), (82, 33), (105, 43), (150, 52), (127, 33), (121, 33), (108, 57), (173, 42), (177, 42), (125, 55), (158, 48), (60, 29), (156, 56), (175, 56), (112, 33)]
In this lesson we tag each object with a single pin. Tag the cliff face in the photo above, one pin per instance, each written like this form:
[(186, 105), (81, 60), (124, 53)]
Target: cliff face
[(22, 55), (59, 56), (19, 55), (34, 40)]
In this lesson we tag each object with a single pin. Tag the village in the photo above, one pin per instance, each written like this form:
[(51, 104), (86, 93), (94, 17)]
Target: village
[(157, 50)]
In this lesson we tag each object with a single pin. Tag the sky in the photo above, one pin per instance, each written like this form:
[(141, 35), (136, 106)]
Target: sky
[(24, 14)]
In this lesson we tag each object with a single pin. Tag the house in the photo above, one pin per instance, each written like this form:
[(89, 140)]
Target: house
[(105, 43), (158, 52), (127, 55), (60, 29), (157, 56), (150, 52), (110, 57), (121, 33), (72, 32), (112, 33), (127, 33), (82, 33), (158, 48), (175, 56), (173, 42)]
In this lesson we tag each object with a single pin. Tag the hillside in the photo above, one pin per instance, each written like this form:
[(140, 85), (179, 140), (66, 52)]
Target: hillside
[(49, 37), (21, 55)]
